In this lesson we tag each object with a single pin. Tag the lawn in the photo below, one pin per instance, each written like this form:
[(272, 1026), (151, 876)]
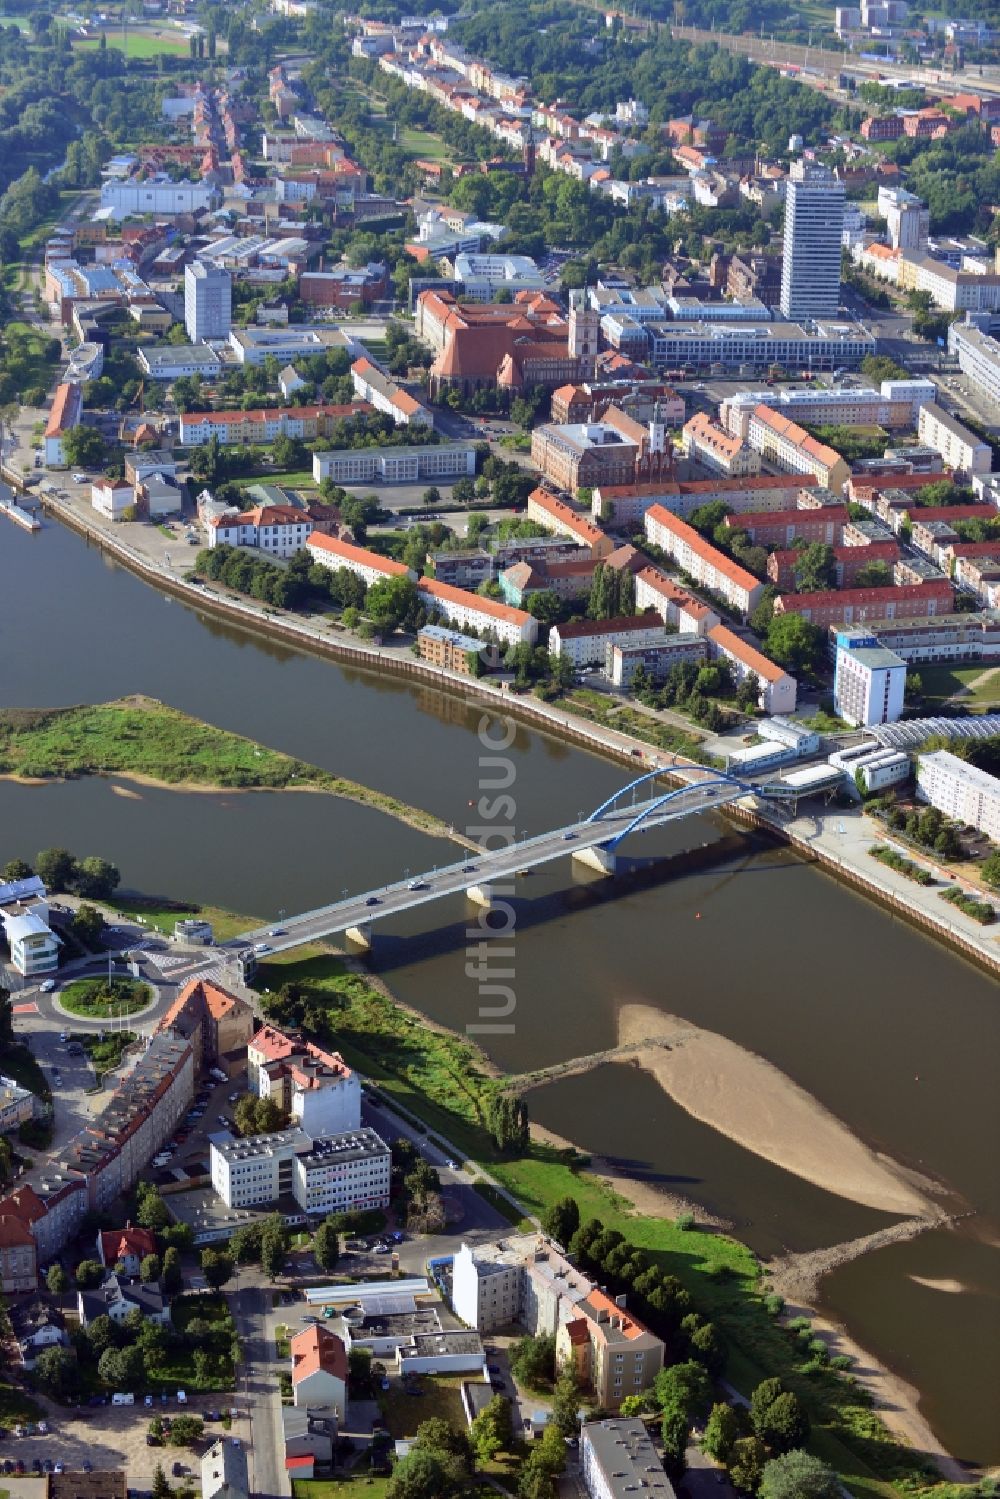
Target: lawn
[(162, 914), (941, 681), (95, 999), (610, 714), (426, 145), (364, 1486), (440, 1396), (140, 44), (300, 478), (15, 1405)]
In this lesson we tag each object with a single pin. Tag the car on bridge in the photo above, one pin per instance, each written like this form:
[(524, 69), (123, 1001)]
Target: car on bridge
[(373, 900), (417, 885)]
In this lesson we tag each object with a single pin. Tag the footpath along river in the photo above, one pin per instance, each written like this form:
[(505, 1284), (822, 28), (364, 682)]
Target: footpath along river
[(889, 1031)]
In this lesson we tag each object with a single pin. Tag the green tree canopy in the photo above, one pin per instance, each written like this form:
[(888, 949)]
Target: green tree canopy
[(798, 1475)]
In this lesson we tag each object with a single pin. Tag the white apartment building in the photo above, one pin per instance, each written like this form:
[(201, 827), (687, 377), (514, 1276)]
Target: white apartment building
[(208, 301), (954, 290), (277, 530), (157, 196), (721, 452), (869, 681), (960, 791), (467, 611), (961, 449), (316, 1087), (895, 404), (334, 554), (702, 561), (486, 1292), (586, 642), (907, 218), (814, 222), (978, 358), (777, 690), (323, 1174), (525, 1279), (386, 395), (444, 463), (783, 442), (482, 276)]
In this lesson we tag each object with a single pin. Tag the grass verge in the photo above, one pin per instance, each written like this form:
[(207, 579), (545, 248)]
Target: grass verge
[(610, 714), (94, 999)]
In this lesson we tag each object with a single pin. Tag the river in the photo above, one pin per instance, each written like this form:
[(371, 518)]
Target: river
[(890, 1031)]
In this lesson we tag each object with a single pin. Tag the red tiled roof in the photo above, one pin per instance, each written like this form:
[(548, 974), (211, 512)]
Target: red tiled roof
[(116, 1243), (704, 549), (449, 594), (733, 645), (65, 410), (317, 1348), (347, 552)]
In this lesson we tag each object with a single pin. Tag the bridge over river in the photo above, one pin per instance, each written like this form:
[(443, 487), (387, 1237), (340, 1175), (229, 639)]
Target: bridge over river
[(594, 842)]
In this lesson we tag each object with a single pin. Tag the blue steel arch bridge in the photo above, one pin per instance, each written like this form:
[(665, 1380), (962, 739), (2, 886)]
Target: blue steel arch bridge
[(593, 841)]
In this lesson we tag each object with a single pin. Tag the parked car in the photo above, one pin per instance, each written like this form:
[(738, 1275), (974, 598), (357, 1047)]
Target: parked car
[(48, 986)]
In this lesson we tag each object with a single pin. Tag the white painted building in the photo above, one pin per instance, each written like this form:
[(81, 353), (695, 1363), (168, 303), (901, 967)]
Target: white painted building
[(208, 301), (702, 561), (110, 499), (869, 681), (324, 1174), (586, 642), (277, 530), (907, 218), (485, 1290), (224, 1470), (978, 358), (157, 196), (385, 394), (472, 611), (483, 276), (961, 449), (961, 791), (334, 554), (442, 463), (34, 948), (316, 1087), (814, 221)]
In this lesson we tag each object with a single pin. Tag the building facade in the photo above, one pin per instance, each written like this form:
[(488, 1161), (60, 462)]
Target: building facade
[(869, 680), (961, 791), (702, 561), (316, 1087), (323, 1174), (814, 222), (208, 301)]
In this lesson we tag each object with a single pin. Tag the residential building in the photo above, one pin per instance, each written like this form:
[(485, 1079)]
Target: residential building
[(277, 530), (387, 395), (623, 506), (224, 1470), (315, 1087), (561, 518), (461, 569), (37, 1326), (265, 424), (617, 1458), (960, 790), (862, 606), (706, 443), (441, 464), (614, 1354), (943, 637), (486, 1288), (116, 1299), (895, 404), (623, 661), (465, 654), (814, 219), (125, 1248), (18, 1256), (471, 610), (963, 451), (702, 561), (158, 196), (951, 288), (208, 301), (785, 443), (319, 1369), (675, 605), (780, 528), (869, 680), (777, 690), (64, 415), (586, 642), (978, 358), (309, 1433), (323, 1174), (17, 1104), (907, 218), (213, 1020), (330, 552), (848, 562)]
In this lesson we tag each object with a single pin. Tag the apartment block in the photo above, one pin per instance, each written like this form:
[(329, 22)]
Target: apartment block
[(316, 1087), (776, 689), (963, 451), (702, 561), (857, 606), (330, 552), (322, 1174), (562, 519), (265, 425), (472, 611), (587, 642), (869, 680), (961, 791), (783, 442), (780, 528)]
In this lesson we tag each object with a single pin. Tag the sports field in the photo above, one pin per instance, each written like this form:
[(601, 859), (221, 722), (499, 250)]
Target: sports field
[(143, 43)]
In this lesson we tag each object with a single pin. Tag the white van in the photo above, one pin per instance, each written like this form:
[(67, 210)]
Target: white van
[(123, 1400), (181, 1398)]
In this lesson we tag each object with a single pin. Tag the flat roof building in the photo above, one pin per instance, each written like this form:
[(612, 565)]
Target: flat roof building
[(961, 791), (617, 1459)]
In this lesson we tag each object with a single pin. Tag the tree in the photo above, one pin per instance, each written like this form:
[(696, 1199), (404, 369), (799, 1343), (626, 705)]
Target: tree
[(566, 1401), (57, 1280), (88, 926), (152, 1211), (172, 1280), (795, 643), (783, 1424), (101, 1333), (426, 1474), (217, 1267), (84, 447), (56, 867), (89, 1273), (273, 1251), (19, 869), (798, 1475), (562, 1220), (685, 1388), (326, 1245), (185, 1431), (122, 1368), (762, 1398), (533, 1361), (674, 1434), (161, 1488), (431, 497), (493, 1430), (545, 606), (390, 601), (747, 1464), (814, 568), (721, 1432), (507, 1121), (258, 1116), (438, 1435), (708, 1348), (57, 1372), (95, 879), (150, 1269)]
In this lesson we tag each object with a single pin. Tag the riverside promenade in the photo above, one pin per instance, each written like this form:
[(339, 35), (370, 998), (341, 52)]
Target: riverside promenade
[(837, 838)]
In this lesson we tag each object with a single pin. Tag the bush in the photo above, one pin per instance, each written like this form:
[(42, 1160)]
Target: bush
[(979, 910)]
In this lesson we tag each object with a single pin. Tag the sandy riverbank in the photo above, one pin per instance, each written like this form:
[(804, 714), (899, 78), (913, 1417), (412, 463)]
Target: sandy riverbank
[(752, 1102)]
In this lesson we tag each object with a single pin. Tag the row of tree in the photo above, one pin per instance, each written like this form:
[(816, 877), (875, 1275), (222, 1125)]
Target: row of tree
[(92, 878)]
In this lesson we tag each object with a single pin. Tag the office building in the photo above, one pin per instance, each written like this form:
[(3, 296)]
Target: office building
[(618, 1459), (960, 790), (907, 218), (814, 221), (443, 463), (322, 1174), (208, 301), (978, 358), (869, 680)]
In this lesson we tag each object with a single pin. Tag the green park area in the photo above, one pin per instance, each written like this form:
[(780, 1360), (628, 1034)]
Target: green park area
[(364, 1485), (105, 999), (425, 145), (975, 687), (143, 739), (141, 44)]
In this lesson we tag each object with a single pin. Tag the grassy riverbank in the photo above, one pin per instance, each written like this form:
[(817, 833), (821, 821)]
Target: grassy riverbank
[(143, 740), (444, 1081)]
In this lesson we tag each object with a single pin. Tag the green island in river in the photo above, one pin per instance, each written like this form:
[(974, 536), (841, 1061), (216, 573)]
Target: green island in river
[(144, 740)]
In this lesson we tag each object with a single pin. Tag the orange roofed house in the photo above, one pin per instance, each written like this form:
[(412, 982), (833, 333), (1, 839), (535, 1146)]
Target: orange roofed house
[(215, 1021), (316, 1087), (319, 1369), (126, 1246), (483, 345), (613, 1352), (67, 408)]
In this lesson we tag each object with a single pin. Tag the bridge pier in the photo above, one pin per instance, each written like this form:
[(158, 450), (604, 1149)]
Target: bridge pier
[(361, 935), (601, 859), (481, 895)]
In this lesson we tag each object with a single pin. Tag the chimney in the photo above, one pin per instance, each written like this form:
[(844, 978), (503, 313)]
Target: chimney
[(620, 1300)]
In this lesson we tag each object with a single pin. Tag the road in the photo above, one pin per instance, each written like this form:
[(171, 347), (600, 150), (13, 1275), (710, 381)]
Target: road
[(258, 1389), (478, 870)]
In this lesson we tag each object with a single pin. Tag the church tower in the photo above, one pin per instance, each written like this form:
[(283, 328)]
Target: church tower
[(584, 327)]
